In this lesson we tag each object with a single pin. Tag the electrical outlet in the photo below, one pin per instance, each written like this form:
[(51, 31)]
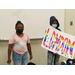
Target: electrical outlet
[(71, 23)]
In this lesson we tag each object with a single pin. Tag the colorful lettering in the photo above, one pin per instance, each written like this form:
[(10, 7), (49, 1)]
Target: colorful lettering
[(59, 43)]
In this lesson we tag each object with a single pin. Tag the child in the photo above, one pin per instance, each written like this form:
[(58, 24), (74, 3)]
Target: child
[(19, 45), (54, 23)]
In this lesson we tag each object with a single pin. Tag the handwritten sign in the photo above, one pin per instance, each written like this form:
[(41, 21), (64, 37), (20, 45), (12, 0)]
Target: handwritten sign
[(59, 42)]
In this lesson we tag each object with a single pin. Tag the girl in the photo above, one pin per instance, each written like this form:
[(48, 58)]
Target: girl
[(54, 23), (19, 45)]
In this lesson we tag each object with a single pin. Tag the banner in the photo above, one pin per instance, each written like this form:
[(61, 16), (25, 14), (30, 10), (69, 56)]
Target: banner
[(59, 42)]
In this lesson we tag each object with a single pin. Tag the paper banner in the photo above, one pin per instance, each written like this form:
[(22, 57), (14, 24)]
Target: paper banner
[(59, 42)]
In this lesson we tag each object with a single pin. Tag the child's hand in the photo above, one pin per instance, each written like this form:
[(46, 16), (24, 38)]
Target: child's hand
[(31, 57), (9, 61), (56, 53)]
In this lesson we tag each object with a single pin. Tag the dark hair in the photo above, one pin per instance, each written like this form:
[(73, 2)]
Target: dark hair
[(19, 22), (31, 63)]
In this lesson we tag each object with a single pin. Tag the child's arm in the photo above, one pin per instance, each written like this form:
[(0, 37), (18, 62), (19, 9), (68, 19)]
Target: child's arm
[(29, 49), (9, 53)]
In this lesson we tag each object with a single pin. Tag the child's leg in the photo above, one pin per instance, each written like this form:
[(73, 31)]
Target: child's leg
[(16, 58), (24, 59), (50, 58), (56, 59)]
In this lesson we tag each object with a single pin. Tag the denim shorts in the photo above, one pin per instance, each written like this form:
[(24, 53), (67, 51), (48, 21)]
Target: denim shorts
[(19, 59)]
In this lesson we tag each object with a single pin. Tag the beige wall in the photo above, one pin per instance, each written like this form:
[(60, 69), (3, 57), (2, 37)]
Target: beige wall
[(70, 16), (40, 54)]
